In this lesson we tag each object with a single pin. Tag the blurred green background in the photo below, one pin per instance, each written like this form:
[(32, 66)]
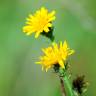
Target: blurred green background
[(75, 22)]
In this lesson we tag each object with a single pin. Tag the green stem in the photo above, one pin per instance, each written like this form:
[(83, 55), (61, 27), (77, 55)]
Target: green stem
[(66, 81)]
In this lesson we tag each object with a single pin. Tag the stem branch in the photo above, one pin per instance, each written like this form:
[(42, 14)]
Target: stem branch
[(62, 87)]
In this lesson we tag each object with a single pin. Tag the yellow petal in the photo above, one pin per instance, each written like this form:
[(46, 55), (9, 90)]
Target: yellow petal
[(28, 33), (46, 29), (51, 19), (47, 68), (55, 48), (38, 62), (71, 52), (51, 14), (65, 45), (49, 25), (61, 64), (61, 45), (37, 34), (42, 68)]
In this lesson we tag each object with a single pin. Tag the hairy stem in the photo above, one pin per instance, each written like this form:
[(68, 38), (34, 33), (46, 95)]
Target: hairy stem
[(67, 82), (62, 87)]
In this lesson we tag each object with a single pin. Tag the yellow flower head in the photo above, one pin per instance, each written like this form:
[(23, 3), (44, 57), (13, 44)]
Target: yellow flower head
[(56, 54), (40, 22)]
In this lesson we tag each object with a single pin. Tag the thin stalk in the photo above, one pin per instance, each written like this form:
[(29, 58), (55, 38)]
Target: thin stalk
[(62, 86), (67, 82)]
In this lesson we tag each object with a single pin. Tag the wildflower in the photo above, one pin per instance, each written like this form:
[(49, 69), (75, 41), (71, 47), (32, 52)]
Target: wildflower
[(55, 55), (39, 22)]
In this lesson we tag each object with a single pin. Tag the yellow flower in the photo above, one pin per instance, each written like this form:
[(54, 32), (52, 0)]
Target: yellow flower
[(40, 22), (55, 54)]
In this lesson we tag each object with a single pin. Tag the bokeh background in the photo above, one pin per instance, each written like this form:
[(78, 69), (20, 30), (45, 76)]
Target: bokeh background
[(75, 22)]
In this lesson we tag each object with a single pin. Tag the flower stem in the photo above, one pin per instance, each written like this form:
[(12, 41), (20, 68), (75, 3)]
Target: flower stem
[(62, 87), (66, 81)]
